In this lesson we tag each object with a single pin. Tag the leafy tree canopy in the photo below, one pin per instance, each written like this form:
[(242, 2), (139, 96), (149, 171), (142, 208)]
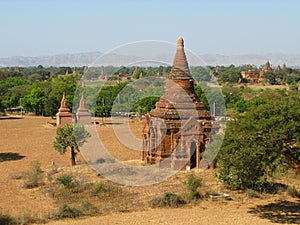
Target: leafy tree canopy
[(70, 136), (259, 142)]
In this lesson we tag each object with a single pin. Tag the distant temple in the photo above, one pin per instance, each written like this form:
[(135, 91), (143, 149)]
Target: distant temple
[(177, 130), (83, 116), (63, 116), (255, 76), (251, 75), (267, 68)]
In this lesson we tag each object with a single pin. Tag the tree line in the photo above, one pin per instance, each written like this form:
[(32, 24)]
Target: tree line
[(39, 90)]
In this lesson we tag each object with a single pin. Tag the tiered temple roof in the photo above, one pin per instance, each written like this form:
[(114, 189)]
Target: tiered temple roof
[(179, 122)]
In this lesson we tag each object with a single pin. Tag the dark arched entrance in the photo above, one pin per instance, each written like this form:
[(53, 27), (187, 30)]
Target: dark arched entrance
[(193, 159)]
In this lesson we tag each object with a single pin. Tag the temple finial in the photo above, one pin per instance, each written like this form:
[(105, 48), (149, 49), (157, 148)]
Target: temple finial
[(180, 42), (180, 62), (63, 103)]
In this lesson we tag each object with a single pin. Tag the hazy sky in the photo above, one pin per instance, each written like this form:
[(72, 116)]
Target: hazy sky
[(47, 27)]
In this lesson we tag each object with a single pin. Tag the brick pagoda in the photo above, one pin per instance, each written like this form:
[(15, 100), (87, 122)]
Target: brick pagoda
[(177, 130), (83, 116), (63, 116)]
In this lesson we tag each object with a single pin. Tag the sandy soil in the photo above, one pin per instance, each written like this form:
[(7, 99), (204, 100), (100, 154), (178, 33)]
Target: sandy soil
[(28, 140), (221, 215)]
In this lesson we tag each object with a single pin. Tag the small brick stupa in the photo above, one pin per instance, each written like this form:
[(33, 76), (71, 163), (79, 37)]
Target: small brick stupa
[(83, 116), (63, 116), (179, 124)]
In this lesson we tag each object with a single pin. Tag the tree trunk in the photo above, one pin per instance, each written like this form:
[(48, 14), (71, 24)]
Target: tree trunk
[(73, 154)]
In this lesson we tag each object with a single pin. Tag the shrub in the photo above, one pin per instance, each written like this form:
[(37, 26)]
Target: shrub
[(106, 189), (66, 211), (88, 209), (34, 177), (193, 183), (292, 191), (25, 218), (97, 188), (167, 200), (37, 168), (66, 180), (252, 194)]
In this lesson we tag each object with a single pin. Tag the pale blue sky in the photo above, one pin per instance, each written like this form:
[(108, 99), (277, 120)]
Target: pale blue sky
[(47, 27)]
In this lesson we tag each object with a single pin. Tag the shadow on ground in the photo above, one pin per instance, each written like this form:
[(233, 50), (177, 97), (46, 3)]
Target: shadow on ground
[(279, 212), (10, 118), (10, 156)]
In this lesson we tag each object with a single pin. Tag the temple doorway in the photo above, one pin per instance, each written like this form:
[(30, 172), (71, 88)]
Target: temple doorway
[(193, 154)]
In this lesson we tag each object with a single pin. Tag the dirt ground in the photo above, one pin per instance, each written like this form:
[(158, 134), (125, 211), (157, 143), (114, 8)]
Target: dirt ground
[(30, 139)]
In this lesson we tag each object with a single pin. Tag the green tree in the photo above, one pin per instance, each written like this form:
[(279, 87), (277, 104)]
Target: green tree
[(231, 74), (200, 73), (11, 90), (260, 142), (35, 101), (107, 98), (144, 105), (70, 136), (61, 84), (199, 92), (193, 183), (271, 77)]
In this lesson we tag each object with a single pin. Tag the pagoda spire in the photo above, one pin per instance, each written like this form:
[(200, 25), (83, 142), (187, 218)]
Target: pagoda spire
[(83, 115), (63, 103), (82, 103), (180, 65)]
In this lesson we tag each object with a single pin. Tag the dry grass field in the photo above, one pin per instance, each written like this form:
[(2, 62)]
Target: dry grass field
[(26, 141)]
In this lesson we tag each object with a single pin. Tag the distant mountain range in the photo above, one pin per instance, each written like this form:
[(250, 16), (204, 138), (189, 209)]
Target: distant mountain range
[(98, 59)]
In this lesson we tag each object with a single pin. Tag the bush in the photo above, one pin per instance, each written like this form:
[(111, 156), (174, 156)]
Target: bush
[(66, 211), (167, 200), (292, 191), (106, 189), (25, 218), (37, 168), (193, 183), (252, 194), (34, 177), (66, 180), (97, 188), (88, 209)]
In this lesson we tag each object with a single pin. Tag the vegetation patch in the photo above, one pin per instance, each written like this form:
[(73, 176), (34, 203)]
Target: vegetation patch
[(66, 211), (66, 180), (6, 219), (88, 208), (25, 218), (192, 184), (252, 194), (34, 177), (167, 200), (293, 192)]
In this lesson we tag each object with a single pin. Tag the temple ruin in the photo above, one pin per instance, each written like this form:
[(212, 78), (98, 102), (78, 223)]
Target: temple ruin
[(176, 131), (255, 76)]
